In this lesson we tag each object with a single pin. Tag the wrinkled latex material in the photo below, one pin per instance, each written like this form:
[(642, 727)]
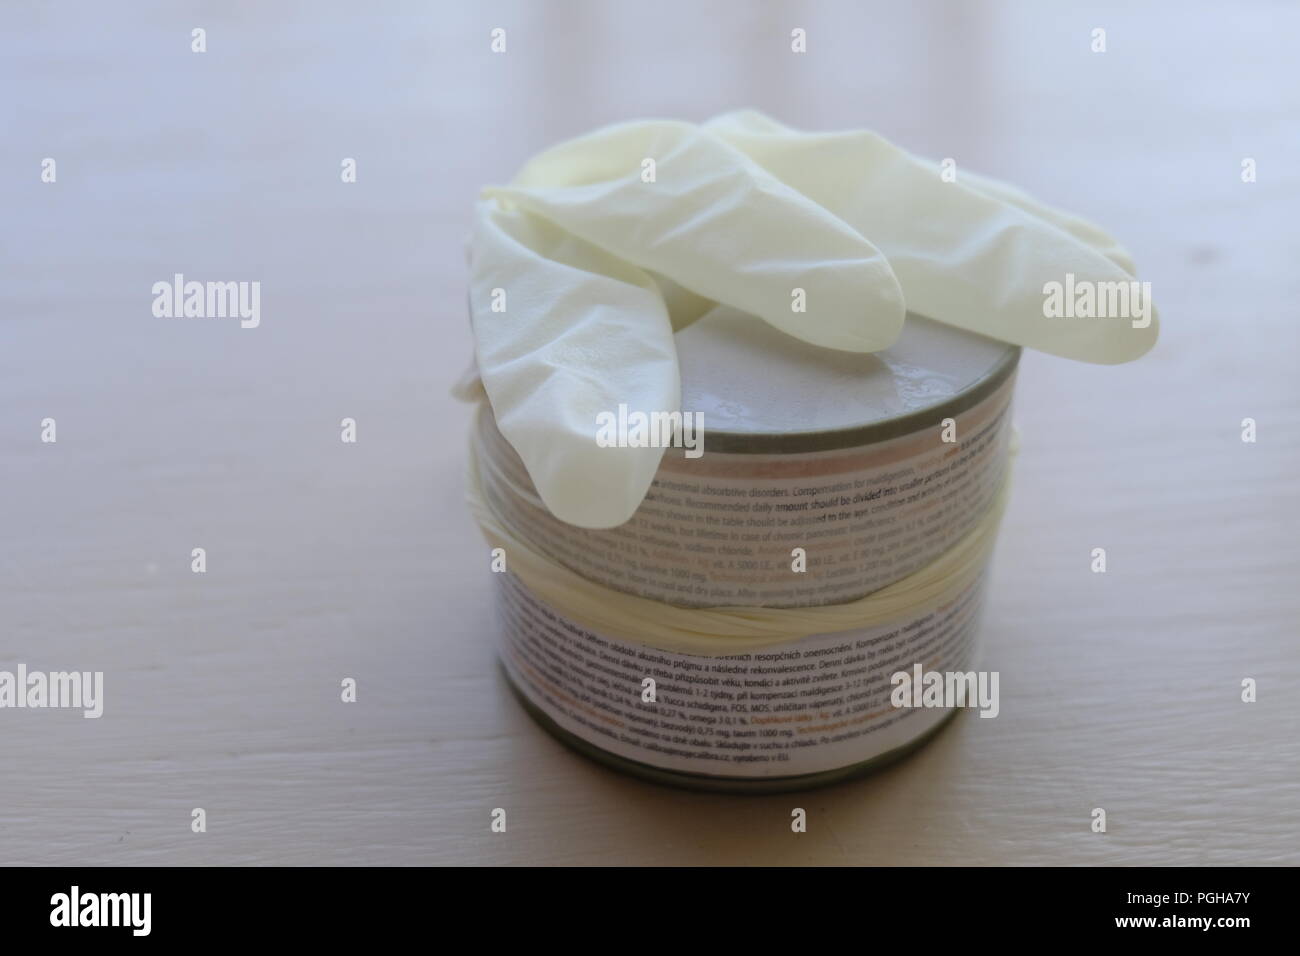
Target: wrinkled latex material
[(600, 267)]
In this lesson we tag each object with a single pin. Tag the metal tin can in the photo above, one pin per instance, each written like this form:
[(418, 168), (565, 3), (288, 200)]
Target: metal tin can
[(825, 477)]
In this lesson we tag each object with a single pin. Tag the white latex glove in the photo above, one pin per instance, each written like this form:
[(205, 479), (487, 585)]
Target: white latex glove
[(598, 267)]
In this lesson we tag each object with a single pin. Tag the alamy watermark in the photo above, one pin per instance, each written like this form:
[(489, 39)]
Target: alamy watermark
[(628, 429), (56, 689), (179, 299), (75, 908), (1085, 299), (922, 688)]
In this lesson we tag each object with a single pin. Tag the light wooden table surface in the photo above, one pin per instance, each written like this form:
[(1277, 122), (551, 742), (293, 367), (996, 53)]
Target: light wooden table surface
[(328, 560)]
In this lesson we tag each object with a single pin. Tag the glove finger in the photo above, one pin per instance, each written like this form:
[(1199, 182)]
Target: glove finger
[(963, 256), (564, 331)]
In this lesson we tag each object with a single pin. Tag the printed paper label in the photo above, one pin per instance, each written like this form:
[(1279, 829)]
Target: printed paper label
[(821, 703)]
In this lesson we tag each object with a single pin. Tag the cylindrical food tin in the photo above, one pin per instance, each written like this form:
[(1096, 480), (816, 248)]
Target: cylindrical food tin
[(825, 476)]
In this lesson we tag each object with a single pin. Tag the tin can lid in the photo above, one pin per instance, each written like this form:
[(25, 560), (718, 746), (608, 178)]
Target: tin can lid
[(762, 391)]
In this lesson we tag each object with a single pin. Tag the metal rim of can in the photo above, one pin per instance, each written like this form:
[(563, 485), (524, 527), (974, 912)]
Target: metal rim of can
[(834, 439), (856, 436)]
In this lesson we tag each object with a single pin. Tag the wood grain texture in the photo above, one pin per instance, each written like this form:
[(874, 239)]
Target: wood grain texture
[(329, 560)]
